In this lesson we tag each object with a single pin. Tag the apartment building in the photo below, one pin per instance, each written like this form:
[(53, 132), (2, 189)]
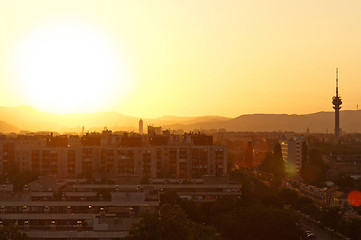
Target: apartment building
[(343, 165), (152, 156), (292, 153)]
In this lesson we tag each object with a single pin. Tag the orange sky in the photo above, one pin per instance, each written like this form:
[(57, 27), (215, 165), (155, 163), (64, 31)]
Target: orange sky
[(187, 58)]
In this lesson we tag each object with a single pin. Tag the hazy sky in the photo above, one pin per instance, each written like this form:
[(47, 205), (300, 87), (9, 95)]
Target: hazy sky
[(154, 58)]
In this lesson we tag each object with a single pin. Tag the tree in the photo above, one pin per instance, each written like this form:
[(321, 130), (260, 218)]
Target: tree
[(256, 222), (147, 227), (12, 232), (169, 223), (249, 155), (315, 169), (203, 232), (188, 206), (170, 197), (330, 217), (266, 165), (273, 162), (278, 165), (19, 178), (352, 228), (306, 205), (230, 161), (346, 183), (288, 196), (304, 155)]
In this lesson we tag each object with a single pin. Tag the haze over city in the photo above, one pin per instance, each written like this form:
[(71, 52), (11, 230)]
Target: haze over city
[(184, 58), (180, 120)]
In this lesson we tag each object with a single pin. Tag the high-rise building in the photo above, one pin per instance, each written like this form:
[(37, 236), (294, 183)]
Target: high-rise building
[(140, 126), (292, 154), (336, 101)]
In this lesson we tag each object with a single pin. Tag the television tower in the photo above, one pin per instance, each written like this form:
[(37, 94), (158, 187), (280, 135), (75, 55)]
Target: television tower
[(336, 101)]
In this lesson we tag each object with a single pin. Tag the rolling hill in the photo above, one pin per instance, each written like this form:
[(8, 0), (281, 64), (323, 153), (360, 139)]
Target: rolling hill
[(30, 119)]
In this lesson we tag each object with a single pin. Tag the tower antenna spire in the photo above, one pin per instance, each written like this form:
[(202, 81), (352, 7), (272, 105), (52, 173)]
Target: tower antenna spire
[(336, 101), (336, 82)]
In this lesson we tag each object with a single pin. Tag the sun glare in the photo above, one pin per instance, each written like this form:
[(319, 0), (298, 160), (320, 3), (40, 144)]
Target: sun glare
[(69, 66)]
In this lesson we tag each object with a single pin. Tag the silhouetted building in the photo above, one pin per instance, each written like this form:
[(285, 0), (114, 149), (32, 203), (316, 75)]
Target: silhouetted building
[(58, 141), (82, 211), (91, 139), (336, 101), (126, 154), (343, 165), (141, 126), (158, 140), (96, 211), (131, 141), (154, 130), (201, 139)]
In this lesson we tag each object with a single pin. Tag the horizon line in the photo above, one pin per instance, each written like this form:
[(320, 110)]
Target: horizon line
[(170, 115)]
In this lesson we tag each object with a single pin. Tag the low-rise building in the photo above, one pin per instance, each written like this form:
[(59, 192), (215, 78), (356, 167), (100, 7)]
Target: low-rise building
[(343, 165), (61, 209)]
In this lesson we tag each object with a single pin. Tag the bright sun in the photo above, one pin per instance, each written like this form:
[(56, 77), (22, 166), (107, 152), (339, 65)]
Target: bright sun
[(69, 66)]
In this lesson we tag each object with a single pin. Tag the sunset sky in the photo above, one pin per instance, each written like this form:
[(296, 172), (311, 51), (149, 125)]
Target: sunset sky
[(185, 58)]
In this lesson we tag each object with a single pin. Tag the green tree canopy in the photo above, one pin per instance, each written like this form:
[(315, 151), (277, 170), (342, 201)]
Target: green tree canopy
[(277, 162), (288, 196), (169, 223), (314, 171), (273, 162), (304, 155), (12, 232)]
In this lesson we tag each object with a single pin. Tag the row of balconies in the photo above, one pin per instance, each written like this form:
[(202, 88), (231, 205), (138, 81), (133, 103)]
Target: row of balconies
[(48, 212), (48, 209)]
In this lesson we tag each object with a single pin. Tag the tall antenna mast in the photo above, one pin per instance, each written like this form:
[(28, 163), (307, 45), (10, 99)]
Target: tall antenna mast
[(336, 101), (336, 82)]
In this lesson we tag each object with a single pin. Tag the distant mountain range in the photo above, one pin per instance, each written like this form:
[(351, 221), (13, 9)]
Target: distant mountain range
[(14, 119), (8, 128), (320, 122)]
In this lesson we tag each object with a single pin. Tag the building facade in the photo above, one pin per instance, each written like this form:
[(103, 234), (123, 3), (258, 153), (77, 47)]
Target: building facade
[(343, 165), (156, 156), (292, 154)]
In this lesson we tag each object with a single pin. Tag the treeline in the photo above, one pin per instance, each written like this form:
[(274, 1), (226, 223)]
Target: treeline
[(169, 223), (273, 162), (18, 178), (263, 212), (11, 232), (313, 170), (329, 217), (258, 215)]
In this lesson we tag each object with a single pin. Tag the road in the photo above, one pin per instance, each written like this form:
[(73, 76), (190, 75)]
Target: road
[(321, 233)]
